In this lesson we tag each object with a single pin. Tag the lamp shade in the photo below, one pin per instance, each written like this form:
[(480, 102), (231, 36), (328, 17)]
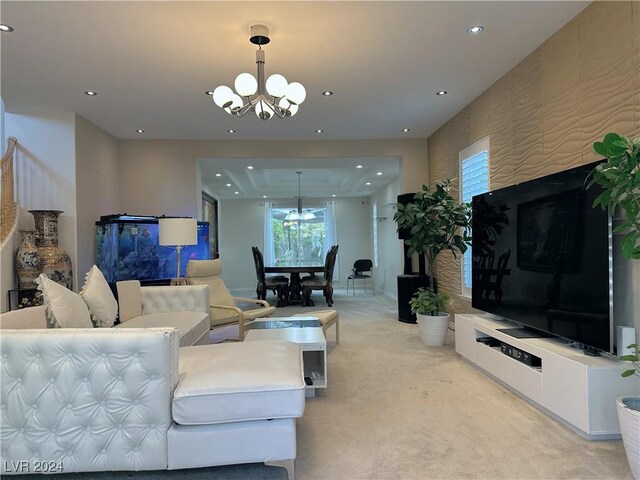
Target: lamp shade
[(178, 231)]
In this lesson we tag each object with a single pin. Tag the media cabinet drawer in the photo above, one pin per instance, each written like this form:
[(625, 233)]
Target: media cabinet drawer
[(517, 375), (466, 336), (565, 390)]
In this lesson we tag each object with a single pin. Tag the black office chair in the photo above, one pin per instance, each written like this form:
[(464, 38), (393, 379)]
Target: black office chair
[(362, 269)]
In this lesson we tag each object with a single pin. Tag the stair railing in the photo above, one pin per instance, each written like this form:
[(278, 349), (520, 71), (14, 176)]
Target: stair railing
[(8, 204)]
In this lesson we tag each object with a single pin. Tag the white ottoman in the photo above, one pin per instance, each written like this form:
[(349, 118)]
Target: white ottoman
[(327, 318), (237, 403), (236, 382)]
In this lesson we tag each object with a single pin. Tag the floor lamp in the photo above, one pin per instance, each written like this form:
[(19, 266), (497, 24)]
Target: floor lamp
[(178, 232)]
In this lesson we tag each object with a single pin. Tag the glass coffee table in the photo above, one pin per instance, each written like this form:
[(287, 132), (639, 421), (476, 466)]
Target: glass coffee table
[(305, 331)]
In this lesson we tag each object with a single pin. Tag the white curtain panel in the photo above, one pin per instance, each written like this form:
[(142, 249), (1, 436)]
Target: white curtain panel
[(331, 237), (269, 251)]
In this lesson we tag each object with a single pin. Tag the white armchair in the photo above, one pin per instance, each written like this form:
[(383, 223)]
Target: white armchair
[(224, 308)]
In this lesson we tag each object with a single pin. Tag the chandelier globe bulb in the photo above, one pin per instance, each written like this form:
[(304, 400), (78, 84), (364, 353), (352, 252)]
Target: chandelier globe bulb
[(276, 85), (263, 111), (296, 93), (290, 108), (222, 96), (246, 84), (236, 103)]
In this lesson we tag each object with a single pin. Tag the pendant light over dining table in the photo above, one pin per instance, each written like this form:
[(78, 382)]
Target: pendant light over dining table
[(299, 215), (275, 96)]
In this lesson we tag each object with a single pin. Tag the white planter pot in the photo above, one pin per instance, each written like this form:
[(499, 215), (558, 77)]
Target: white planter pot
[(433, 330), (629, 418)]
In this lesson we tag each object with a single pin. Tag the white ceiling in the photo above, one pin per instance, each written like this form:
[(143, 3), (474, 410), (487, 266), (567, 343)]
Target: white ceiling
[(151, 62), (277, 179)]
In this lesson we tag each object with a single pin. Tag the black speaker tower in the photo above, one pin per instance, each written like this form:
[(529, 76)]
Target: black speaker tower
[(409, 282)]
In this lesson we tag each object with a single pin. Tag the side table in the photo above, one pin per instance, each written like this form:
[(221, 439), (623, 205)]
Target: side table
[(24, 297), (307, 332)]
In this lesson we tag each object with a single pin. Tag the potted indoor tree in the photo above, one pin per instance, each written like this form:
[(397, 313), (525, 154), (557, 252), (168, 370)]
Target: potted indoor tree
[(431, 312), (619, 178), (435, 222)]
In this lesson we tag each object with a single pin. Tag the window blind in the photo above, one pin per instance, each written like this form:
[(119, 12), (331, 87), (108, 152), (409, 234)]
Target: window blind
[(474, 172)]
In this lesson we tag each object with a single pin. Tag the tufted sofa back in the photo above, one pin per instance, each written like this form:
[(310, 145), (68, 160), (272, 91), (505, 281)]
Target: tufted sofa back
[(90, 399), (134, 300), (192, 298)]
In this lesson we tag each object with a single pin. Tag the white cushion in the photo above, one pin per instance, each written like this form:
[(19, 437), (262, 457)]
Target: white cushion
[(192, 326), (64, 308), (99, 298), (239, 381)]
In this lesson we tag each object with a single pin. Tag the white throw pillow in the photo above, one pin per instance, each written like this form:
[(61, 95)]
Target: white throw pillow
[(99, 298), (64, 308)]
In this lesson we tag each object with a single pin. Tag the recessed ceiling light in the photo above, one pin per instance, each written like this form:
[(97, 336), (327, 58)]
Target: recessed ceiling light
[(333, 195), (228, 184), (368, 183), (441, 92), (327, 93), (264, 196), (319, 131), (91, 93), (250, 167), (209, 92), (405, 130), (358, 166), (378, 173), (475, 29), (231, 130), (5, 28), (236, 193), (218, 174), (139, 130)]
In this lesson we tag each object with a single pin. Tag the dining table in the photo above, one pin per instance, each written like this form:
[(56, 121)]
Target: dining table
[(294, 269)]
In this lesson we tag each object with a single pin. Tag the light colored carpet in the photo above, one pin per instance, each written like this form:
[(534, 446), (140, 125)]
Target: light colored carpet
[(396, 409)]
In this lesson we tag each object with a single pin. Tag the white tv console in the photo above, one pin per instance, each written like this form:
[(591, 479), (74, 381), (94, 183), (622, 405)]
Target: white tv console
[(572, 387)]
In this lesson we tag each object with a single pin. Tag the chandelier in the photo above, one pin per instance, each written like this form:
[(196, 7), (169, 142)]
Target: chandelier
[(297, 216), (273, 97)]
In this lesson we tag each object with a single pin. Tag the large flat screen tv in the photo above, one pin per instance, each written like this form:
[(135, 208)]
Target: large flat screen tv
[(541, 257)]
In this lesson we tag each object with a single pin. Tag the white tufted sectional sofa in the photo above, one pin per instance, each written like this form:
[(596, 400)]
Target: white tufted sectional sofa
[(78, 400)]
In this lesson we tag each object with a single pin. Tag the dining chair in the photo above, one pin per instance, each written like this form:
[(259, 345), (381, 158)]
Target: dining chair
[(276, 283), (324, 283), (362, 270), (224, 310)]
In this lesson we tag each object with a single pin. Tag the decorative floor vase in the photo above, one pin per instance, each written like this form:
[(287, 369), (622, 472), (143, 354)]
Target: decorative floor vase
[(27, 261), (55, 263)]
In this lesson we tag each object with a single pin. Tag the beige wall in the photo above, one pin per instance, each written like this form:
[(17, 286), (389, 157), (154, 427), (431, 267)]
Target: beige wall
[(45, 178), (544, 115), (159, 176), (390, 251), (96, 186)]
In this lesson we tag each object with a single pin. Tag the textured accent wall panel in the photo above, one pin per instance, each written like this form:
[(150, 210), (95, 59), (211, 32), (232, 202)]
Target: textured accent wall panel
[(544, 115)]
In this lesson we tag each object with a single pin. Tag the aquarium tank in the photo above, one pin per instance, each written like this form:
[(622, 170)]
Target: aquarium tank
[(127, 249)]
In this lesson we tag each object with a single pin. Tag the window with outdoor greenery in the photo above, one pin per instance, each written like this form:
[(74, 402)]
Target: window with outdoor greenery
[(298, 241)]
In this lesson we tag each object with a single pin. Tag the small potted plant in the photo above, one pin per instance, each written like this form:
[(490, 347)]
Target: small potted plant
[(431, 311)]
